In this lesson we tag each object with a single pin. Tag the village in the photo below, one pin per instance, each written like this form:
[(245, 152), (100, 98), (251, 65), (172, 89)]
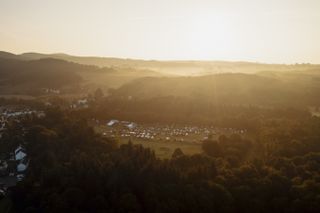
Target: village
[(14, 160)]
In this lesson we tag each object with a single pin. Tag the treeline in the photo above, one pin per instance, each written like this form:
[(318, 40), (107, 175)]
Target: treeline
[(272, 89), (72, 169), (184, 110)]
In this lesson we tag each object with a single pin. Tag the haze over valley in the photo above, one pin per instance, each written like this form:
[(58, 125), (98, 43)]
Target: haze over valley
[(160, 106)]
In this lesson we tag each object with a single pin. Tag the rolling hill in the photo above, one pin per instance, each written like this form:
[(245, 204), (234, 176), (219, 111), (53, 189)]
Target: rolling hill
[(21, 76), (235, 83), (187, 67), (234, 89)]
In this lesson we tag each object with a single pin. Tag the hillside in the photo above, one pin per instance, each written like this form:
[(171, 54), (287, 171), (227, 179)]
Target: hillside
[(19, 76), (235, 89), (50, 72), (262, 84), (181, 67)]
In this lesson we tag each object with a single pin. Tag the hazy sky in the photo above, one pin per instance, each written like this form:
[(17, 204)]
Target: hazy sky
[(273, 31)]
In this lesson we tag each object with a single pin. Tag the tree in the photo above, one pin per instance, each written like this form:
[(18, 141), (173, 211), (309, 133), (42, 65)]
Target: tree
[(212, 148), (177, 153), (98, 94)]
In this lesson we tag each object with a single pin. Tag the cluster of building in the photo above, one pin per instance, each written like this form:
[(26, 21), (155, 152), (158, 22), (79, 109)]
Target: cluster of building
[(81, 103), (22, 162), (126, 129), (13, 167), (14, 160), (12, 113)]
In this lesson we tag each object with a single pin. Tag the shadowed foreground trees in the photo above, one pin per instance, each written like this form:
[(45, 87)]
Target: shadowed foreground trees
[(72, 169)]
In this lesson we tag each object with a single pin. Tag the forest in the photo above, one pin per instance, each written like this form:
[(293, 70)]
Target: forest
[(73, 169)]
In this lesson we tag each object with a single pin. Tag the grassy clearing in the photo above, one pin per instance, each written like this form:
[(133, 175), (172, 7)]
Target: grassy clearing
[(164, 149)]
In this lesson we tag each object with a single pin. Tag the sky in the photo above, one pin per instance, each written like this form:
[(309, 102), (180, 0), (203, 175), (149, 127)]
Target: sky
[(269, 31)]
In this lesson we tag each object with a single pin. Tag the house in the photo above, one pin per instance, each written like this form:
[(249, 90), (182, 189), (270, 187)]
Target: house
[(82, 101), (41, 114), (20, 153), (22, 166), (20, 177)]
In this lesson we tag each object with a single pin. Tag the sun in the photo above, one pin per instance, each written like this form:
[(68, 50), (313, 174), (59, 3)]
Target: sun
[(210, 36)]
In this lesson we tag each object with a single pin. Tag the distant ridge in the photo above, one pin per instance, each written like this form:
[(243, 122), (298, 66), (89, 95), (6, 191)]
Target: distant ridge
[(8, 55), (178, 67)]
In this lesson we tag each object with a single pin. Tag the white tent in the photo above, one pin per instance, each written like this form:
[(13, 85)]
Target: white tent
[(112, 122)]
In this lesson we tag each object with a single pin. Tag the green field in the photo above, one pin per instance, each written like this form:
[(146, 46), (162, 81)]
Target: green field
[(164, 149)]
